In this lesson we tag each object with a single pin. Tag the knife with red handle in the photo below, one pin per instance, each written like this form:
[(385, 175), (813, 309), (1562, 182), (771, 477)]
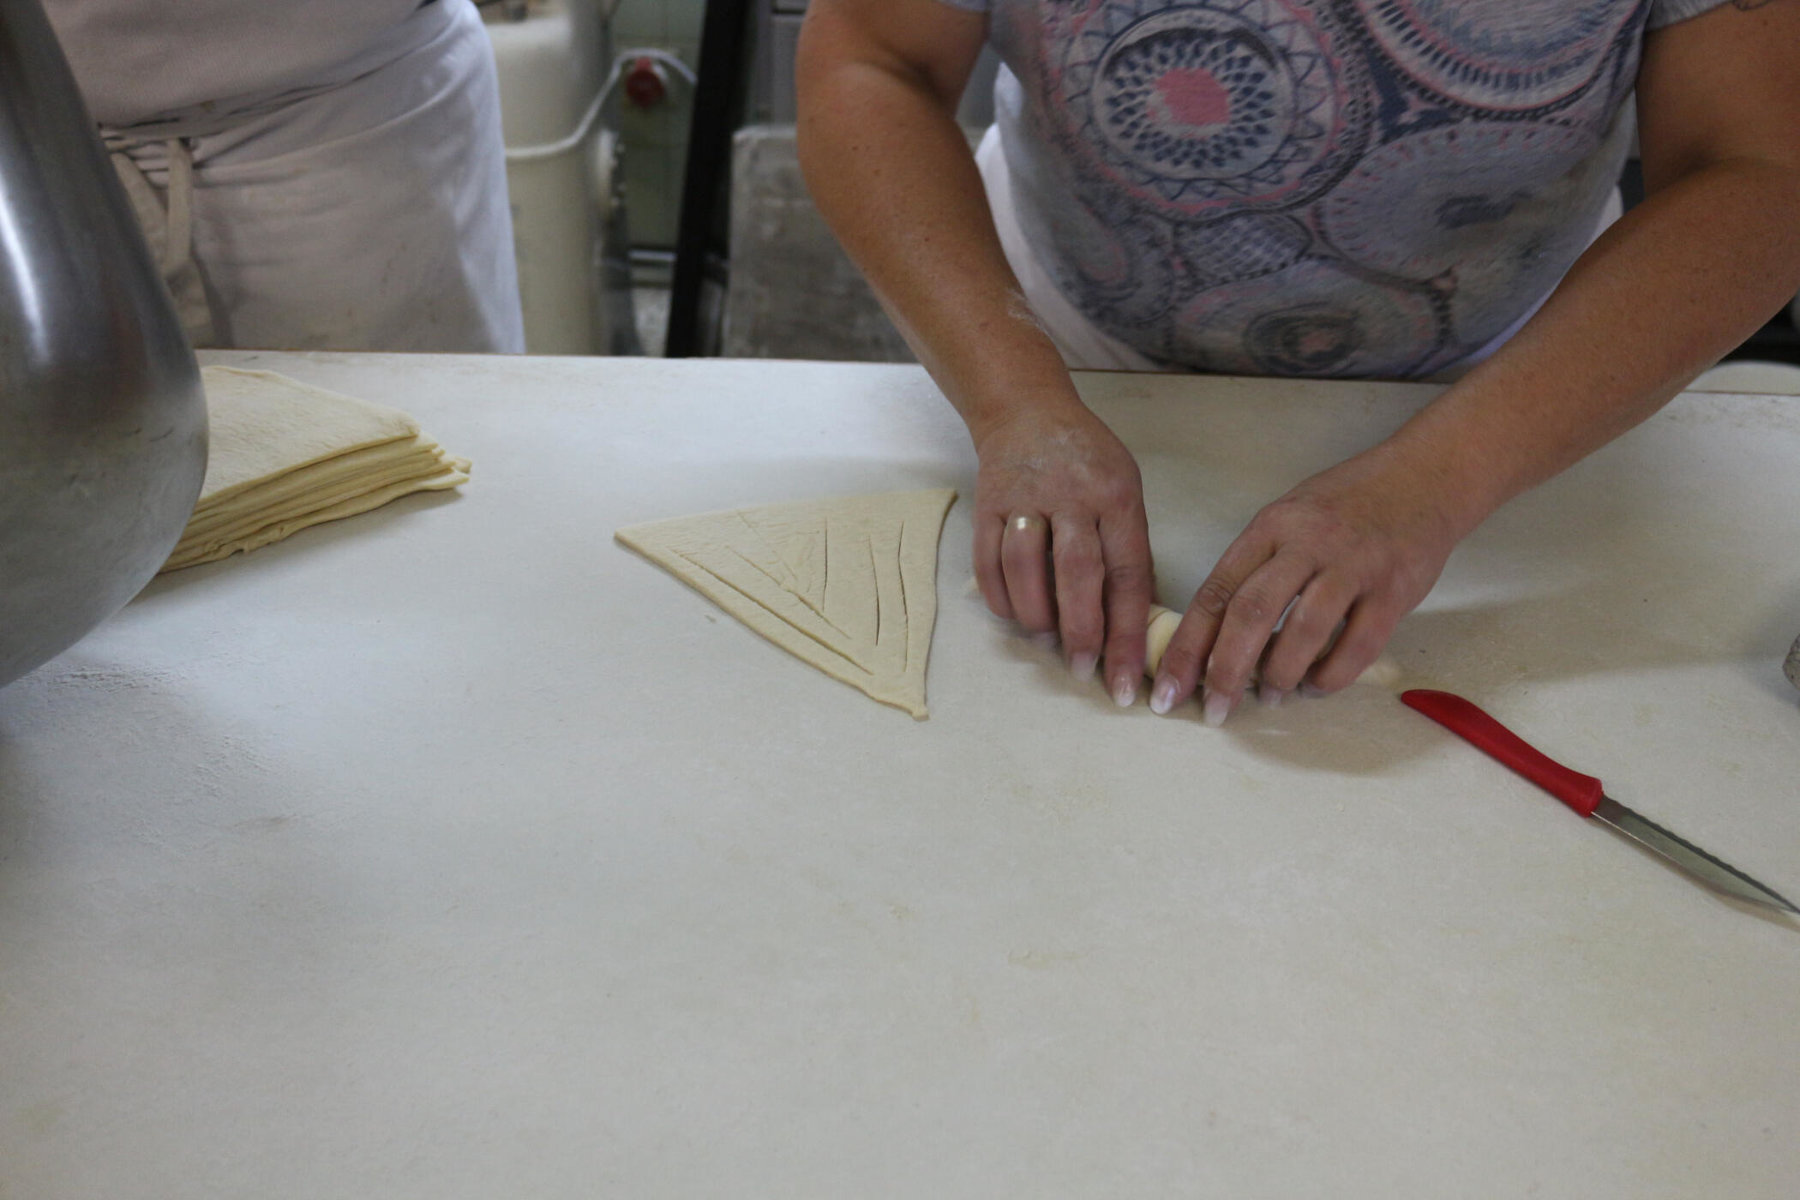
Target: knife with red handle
[(1584, 794)]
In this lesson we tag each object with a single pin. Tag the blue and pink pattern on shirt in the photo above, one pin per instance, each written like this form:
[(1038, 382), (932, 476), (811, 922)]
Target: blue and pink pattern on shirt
[(1314, 187)]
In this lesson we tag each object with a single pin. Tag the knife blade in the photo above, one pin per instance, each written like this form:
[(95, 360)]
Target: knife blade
[(1585, 795)]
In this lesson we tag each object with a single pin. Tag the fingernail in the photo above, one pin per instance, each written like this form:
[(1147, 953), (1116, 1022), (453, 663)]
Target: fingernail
[(1312, 691), (1217, 708), (1082, 666), (1162, 697), (1125, 691), (1271, 697)]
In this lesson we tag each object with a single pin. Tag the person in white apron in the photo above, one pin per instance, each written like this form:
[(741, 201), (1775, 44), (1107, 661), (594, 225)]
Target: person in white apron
[(321, 174)]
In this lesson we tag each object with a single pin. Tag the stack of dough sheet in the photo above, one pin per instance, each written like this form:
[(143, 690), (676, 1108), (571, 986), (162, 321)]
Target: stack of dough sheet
[(286, 455)]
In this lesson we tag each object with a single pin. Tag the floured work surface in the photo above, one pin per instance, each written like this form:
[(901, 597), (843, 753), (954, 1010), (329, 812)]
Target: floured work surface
[(847, 584), (531, 875), (284, 455)]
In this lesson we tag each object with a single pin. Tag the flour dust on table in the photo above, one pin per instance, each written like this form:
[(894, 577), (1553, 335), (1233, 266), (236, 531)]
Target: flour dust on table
[(848, 584)]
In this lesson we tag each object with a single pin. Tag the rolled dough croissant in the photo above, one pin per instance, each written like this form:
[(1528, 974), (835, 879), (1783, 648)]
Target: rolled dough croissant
[(1383, 672)]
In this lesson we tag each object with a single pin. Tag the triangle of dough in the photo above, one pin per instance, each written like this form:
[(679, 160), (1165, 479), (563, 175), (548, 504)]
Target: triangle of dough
[(847, 584), (286, 455)]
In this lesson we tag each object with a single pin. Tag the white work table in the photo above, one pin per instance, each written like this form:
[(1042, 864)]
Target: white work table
[(455, 851)]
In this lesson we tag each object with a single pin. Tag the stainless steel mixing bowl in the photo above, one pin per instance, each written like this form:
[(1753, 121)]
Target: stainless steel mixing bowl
[(102, 421)]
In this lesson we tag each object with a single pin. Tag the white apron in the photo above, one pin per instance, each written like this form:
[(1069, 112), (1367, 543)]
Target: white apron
[(365, 212)]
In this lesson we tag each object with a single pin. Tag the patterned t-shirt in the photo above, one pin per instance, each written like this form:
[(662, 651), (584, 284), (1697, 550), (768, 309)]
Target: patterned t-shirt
[(1314, 187)]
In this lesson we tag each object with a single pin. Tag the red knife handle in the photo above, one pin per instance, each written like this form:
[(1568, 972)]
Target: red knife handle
[(1580, 792)]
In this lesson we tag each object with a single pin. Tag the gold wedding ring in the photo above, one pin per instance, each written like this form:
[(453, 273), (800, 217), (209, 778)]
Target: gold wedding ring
[(1025, 523)]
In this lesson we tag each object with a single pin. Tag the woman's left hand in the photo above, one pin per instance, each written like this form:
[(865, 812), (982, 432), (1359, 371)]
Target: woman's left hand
[(1344, 556)]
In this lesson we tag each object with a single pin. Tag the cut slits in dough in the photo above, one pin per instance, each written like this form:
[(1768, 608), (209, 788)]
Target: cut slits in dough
[(847, 584)]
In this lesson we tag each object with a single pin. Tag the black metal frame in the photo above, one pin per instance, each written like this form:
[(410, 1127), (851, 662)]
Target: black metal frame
[(700, 246)]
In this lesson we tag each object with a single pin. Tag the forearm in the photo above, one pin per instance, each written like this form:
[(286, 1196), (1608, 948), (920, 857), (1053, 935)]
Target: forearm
[(892, 173), (1674, 285)]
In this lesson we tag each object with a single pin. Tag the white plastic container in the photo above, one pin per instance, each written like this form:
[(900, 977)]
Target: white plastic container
[(551, 64)]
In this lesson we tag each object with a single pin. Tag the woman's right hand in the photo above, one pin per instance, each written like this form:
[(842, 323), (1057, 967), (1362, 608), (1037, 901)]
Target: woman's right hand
[(1061, 540)]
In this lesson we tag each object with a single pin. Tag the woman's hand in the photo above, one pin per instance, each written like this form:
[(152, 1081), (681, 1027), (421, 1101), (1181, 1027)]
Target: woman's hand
[(1678, 281), (1344, 556), (1061, 543)]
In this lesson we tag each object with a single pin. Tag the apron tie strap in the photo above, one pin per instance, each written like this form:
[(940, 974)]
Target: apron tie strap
[(168, 224)]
